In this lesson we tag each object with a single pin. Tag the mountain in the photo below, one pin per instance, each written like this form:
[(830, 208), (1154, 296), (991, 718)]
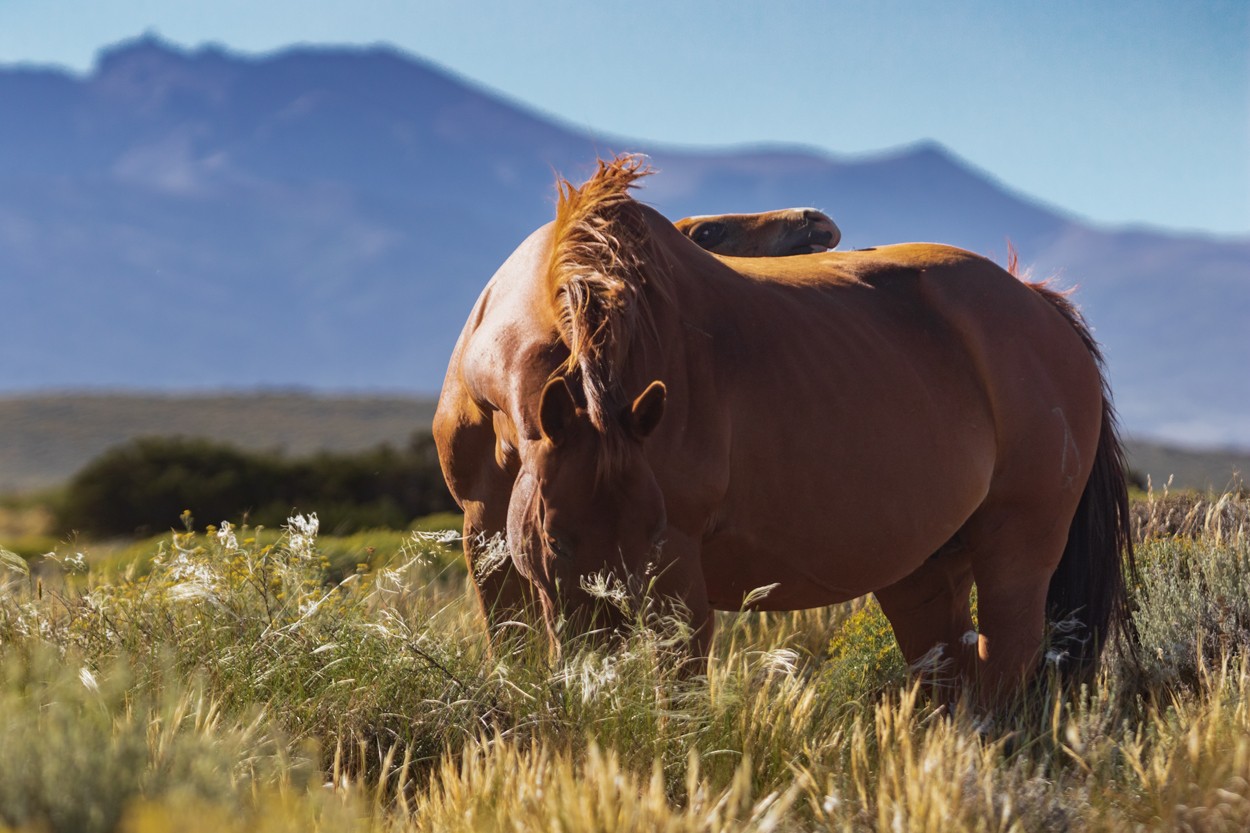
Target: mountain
[(324, 218)]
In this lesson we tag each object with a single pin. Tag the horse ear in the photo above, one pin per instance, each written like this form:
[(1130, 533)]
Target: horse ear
[(556, 410), (647, 409)]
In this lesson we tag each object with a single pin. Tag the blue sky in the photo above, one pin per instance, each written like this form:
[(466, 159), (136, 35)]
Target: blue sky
[(1121, 112)]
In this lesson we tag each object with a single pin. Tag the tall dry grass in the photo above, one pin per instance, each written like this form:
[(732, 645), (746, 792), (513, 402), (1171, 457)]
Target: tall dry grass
[(1188, 514), (241, 682)]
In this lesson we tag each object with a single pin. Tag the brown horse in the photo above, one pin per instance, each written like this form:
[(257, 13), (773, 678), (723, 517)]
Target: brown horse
[(902, 421), (791, 231)]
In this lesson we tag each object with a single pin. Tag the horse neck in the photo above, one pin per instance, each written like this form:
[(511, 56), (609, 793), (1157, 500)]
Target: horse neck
[(697, 286), (686, 317)]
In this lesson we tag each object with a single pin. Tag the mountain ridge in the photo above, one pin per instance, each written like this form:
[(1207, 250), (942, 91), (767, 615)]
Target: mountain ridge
[(324, 217)]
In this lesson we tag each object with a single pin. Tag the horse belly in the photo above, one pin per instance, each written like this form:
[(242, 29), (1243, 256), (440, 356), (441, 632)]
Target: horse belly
[(833, 497)]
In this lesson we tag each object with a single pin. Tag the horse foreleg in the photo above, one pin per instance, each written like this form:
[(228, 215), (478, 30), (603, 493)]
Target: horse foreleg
[(928, 611), (679, 579), (504, 595)]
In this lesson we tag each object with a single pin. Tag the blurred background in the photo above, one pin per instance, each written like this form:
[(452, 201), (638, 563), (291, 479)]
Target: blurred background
[(260, 227)]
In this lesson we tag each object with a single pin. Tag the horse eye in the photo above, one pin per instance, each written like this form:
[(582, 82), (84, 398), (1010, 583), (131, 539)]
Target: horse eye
[(707, 232), (559, 548)]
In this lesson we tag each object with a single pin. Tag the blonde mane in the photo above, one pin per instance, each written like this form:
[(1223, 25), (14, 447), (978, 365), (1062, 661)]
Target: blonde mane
[(602, 263)]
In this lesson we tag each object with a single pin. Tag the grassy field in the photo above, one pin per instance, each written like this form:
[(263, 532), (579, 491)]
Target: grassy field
[(47, 438), (268, 680)]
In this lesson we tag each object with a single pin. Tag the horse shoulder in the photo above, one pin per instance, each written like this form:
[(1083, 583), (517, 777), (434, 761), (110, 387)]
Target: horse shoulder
[(465, 421)]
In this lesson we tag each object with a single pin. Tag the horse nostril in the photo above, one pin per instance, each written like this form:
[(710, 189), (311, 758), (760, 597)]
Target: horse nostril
[(813, 216), (820, 238)]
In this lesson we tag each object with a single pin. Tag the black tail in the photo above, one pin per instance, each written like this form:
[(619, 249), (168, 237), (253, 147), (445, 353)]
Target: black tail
[(1087, 600)]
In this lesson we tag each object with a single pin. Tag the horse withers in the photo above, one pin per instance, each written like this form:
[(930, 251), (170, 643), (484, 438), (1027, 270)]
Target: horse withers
[(903, 421)]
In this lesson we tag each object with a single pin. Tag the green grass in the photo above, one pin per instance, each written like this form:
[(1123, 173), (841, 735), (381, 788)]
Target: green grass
[(259, 680)]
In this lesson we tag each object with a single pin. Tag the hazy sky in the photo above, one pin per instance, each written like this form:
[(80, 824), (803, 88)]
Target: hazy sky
[(1122, 112)]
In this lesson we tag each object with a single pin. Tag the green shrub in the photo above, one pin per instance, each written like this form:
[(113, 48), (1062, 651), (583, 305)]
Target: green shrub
[(145, 485), (864, 658), (1192, 607), (81, 745)]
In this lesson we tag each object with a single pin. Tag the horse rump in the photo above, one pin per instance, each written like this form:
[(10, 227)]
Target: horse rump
[(1087, 599)]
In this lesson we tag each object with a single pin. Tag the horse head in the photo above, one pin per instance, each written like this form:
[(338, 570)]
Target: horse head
[(791, 231), (582, 528), (580, 358)]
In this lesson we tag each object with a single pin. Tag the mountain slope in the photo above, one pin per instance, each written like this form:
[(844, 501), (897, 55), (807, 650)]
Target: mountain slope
[(325, 218)]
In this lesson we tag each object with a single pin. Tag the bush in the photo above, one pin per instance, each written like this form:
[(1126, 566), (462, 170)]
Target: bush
[(1192, 608), (146, 485), (864, 659), (82, 744)]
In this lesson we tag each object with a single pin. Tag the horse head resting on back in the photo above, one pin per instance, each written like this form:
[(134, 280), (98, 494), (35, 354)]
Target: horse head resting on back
[(790, 231), (902, 421)]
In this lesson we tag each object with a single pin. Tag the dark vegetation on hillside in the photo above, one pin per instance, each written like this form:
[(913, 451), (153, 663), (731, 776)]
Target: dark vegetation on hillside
[(144, 486)]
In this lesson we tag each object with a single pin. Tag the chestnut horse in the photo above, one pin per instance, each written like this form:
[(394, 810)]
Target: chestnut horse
[(790, 231), (903, 421)]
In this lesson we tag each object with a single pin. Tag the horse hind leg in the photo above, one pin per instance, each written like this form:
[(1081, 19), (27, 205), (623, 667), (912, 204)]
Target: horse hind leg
[(929, 612), (1013, 558)]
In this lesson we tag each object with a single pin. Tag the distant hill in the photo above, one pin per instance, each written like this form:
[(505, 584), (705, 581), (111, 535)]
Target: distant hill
[(48, 438), (324, 218), (1216, 470)]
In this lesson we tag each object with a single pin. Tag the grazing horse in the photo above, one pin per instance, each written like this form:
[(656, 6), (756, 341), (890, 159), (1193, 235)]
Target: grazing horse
[(791, 231), (903, 421)]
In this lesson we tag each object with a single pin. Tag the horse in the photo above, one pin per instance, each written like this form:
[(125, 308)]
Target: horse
[(790, 231), (788, 432)]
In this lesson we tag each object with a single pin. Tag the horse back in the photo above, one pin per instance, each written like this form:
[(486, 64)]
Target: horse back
[(916, 319), (910, 383)]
